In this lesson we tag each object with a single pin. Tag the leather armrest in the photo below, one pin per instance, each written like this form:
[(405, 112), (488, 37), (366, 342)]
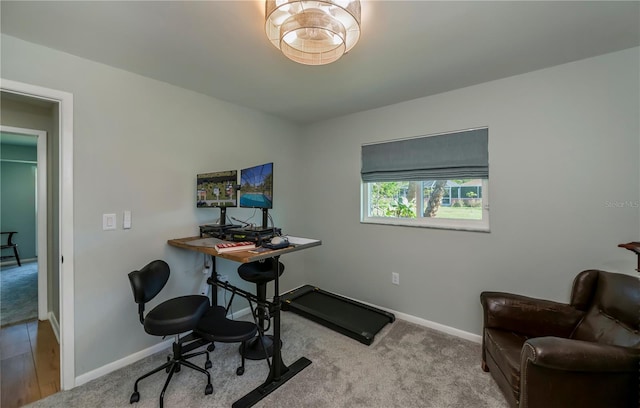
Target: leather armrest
[(574, 373), (577, 355), (528, 316)]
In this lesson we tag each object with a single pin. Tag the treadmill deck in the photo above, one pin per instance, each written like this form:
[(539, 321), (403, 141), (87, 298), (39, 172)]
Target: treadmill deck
[(354, 319)]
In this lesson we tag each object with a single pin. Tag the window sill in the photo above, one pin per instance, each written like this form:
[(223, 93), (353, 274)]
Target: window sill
[(455, 225)]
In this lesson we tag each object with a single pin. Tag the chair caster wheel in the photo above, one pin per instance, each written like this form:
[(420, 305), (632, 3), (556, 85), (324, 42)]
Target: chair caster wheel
[(135, 397), (208, 389), (211, 347), (208, 365), (240, 371)]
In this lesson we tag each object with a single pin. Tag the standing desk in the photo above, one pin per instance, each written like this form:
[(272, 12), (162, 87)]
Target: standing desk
[(279, 373)]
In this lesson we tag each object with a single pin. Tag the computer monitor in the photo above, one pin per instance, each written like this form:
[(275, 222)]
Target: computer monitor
[(256, 189), (217, 190)]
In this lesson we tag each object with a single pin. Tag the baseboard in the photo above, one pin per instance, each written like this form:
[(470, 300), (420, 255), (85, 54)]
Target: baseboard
[(132, 358), (476, 338), (123, 362), (54, 325), (240, 313)]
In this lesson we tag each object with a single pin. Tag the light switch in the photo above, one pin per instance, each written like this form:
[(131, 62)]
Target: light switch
[(108, 222), (126, 220)]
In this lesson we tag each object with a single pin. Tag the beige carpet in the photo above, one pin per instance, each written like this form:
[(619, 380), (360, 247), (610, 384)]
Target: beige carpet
[(406, 366)]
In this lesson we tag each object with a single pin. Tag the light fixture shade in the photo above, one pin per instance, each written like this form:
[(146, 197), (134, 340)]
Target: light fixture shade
[(313, 32)]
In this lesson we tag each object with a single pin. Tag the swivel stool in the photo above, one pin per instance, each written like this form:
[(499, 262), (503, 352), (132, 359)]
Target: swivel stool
[(260, 273)]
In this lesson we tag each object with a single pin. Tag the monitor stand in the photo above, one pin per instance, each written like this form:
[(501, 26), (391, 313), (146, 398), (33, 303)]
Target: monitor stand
[(258, 229), (222, 222), (265, 223), (220, 229)]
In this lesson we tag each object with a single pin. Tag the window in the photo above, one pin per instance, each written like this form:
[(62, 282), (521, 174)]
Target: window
[(438, 181)]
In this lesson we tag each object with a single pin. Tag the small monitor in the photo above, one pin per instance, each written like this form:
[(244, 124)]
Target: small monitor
[(256, 186), (217, 189)]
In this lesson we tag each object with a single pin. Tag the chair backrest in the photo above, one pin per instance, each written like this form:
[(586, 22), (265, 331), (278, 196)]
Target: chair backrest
[(612, 302), (9, 242), (149, 281)]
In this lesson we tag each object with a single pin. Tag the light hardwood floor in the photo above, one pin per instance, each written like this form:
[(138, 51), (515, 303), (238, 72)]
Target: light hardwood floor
[(30, 363)]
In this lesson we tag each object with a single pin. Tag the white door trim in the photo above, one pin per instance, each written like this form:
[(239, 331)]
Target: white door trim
[(41, 222), (65, 132)]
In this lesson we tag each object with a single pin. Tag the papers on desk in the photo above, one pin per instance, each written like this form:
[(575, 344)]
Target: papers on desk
[(295, 241), (260, 250), (204, 242)]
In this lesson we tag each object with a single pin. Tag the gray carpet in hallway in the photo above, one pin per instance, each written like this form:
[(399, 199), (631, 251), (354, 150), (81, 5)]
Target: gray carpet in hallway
[(18, 293), (406, 366)]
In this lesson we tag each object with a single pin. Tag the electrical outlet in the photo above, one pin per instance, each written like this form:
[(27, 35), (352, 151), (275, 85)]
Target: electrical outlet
[(395, 278), (223, 278)]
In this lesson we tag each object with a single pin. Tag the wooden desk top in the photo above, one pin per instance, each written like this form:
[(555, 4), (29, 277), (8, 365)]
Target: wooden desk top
[(631, 246), (634, 247), (205, 245)]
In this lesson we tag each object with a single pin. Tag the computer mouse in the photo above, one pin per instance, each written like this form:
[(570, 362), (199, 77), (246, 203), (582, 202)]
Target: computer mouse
[(277, 240)]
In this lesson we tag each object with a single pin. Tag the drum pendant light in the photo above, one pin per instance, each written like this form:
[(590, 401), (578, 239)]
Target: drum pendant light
[(313, 32)]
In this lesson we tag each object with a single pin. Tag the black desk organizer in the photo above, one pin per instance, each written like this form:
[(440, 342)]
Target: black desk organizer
[(354, 319), (236, 233)]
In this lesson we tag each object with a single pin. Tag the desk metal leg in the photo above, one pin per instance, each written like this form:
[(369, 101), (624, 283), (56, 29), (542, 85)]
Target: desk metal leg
[(279, 372), (214, 277)]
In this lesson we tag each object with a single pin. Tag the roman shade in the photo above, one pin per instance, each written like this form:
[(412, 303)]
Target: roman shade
[(458, 155)]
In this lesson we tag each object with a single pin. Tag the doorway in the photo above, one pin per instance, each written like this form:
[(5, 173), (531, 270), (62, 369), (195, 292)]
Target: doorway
[(29, 347), (24, 209), (60, 218)]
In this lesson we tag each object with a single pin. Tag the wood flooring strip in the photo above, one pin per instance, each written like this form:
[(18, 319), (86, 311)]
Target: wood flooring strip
[(19, 383), (46, 357), (14, 340), (30, 366)]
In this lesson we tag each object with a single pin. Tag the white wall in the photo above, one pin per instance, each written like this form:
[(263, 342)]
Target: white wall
[(563, 146), (138, 145)]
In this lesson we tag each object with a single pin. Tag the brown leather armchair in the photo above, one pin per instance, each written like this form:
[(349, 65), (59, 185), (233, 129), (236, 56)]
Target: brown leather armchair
[(544, 354)]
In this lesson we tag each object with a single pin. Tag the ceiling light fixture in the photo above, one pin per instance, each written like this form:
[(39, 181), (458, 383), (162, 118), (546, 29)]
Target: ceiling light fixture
[(313, 32)]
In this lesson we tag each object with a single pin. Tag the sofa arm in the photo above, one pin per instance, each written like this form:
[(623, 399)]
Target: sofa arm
[(577, 355), (558, 372), (528, 316)]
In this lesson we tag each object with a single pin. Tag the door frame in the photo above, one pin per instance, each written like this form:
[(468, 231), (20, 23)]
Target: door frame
[(41, 214), (64, 100)]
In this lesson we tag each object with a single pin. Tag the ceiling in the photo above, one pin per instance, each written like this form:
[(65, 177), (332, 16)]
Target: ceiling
[(408, 49)]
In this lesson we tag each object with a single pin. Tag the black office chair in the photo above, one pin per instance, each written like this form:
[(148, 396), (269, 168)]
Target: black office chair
[(11, 245), (260, 273), (170, 318)]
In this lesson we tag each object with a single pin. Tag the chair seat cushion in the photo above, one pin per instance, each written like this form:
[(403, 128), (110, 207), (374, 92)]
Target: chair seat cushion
[(504, 348), (177, 315), (214, 326), (259, 271)]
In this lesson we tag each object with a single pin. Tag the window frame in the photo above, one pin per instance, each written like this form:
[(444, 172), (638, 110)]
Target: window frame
[(427, 222)]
